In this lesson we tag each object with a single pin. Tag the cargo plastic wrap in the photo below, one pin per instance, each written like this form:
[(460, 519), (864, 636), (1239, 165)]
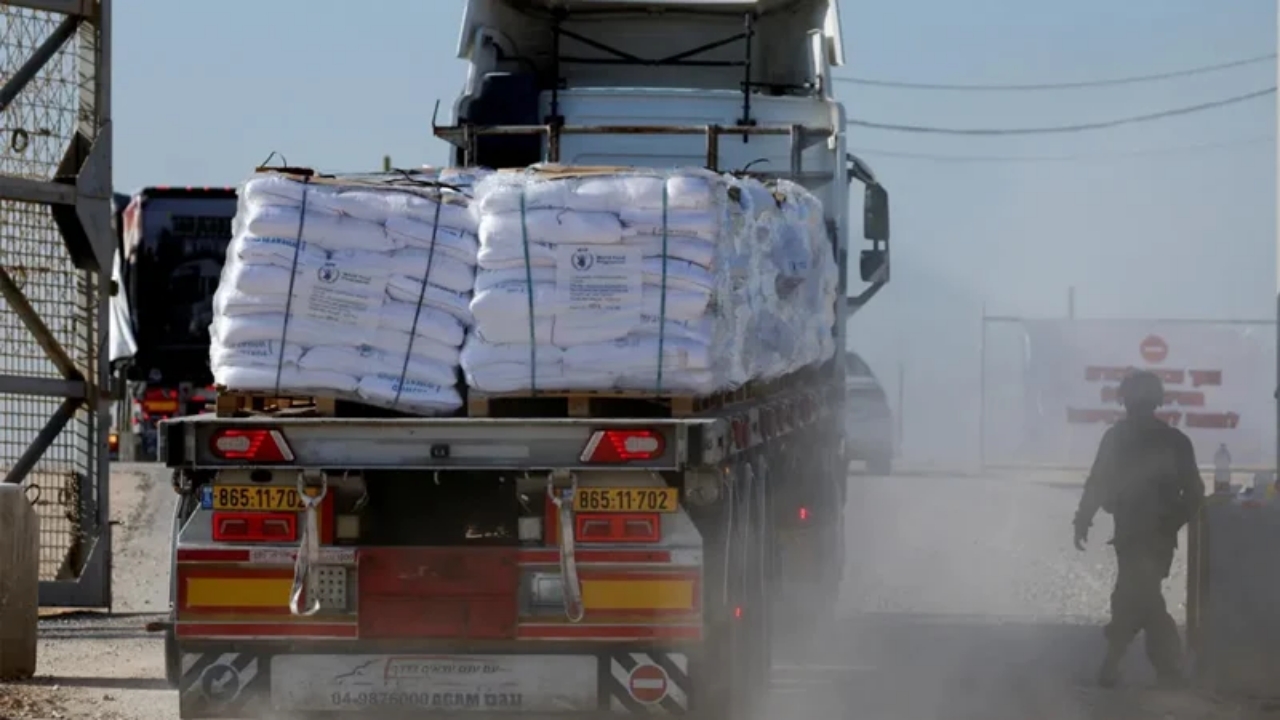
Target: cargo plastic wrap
[(351, 287), (683, 282)]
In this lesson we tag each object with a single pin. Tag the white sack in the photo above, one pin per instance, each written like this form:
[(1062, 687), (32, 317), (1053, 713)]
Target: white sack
[(396, 345), (446, 272), (291, 379), (409, 395), (408, 290), (359, 202), (504, 255), (264, 353), (366, 360), (559, 227), (691, 189), (431, 323), (330, 231), (458, 244)]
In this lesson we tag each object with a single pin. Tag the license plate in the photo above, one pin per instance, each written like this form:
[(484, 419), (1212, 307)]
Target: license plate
[(450, 683), (621, 500), (160, 406), (252, 497)]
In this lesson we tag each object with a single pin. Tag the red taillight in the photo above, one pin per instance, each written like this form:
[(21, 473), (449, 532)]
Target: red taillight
[(804, 514), (620, 446), (257, 445), (255, 527), (620, 528)]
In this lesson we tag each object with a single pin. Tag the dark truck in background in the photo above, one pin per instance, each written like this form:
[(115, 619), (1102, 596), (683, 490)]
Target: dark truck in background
[(171, 243)]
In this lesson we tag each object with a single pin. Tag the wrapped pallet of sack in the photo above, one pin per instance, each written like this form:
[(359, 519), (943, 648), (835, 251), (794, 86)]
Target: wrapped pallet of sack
[(610, 279), (800, 285), (353, 287)]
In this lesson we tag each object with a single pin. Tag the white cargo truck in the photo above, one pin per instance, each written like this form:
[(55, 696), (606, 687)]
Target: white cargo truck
[(591, 560)]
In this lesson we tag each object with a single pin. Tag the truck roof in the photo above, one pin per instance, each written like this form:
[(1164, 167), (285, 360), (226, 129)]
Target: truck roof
[(657, 43), (157, 191)]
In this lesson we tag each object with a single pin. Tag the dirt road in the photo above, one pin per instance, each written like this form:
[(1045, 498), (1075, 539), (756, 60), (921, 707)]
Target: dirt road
[(963, 600)]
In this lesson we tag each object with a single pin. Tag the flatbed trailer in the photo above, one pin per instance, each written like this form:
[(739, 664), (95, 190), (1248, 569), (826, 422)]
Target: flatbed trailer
[(582, 564), (466, 443)]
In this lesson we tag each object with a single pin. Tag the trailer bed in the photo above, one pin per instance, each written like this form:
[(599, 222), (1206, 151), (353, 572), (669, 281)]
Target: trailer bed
[(471, 443)]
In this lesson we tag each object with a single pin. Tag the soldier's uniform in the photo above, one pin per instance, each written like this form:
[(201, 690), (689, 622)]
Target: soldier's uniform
[(1145, 476)]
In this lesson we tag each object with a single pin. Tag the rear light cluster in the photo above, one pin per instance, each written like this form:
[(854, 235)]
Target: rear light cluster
[(621, 528), (622, 446), (255, 527), (255, 445)]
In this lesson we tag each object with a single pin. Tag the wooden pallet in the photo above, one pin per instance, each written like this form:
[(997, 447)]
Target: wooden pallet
[(598, 404), (238, 403)]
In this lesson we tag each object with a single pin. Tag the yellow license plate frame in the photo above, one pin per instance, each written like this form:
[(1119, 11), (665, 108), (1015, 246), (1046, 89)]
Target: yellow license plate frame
[(259, 498), (626, 500)]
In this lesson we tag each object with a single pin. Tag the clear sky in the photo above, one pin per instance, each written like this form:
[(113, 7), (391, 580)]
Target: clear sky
[(204, 91)]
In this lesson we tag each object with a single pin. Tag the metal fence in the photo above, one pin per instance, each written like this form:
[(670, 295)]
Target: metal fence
[(56, 247)]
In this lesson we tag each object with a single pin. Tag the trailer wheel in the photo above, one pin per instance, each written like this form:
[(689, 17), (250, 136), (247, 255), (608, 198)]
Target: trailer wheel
[(735, 662), (182, 510), (172, 662)]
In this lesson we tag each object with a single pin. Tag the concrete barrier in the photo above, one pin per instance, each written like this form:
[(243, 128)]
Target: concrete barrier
[(19, 583)]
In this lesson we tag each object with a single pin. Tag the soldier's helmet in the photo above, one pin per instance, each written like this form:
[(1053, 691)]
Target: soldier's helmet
[(1142, 388)]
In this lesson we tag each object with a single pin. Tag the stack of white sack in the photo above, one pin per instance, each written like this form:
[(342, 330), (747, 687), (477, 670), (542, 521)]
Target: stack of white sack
[(354, 287), (642, 280)]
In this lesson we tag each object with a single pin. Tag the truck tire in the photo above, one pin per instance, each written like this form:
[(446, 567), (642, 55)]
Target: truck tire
[(735, 662), (172, 661), (172, 658)]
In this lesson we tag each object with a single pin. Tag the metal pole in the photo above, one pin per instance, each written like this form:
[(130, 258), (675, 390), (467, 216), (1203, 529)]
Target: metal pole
[(982, 392), (902, 374), (1071, 303)]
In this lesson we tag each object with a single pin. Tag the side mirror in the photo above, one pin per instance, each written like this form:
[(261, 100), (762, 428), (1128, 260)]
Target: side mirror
[(870, 263), (875, 213)]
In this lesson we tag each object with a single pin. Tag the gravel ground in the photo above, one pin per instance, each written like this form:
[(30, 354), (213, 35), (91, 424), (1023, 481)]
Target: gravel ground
[(963, 600), (106, 667)]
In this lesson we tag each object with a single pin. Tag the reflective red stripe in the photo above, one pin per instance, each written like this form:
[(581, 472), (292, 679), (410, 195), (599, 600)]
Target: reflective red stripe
[(582, 555), (609, 632), (281, 630), (212, 555)]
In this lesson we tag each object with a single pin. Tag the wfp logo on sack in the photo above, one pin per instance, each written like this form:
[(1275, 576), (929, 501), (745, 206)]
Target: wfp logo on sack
[(327, 273), (582, 259)]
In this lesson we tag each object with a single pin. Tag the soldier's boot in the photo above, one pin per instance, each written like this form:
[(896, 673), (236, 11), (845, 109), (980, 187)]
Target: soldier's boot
[(1164, 650), (1118, 641), (1109, 672)]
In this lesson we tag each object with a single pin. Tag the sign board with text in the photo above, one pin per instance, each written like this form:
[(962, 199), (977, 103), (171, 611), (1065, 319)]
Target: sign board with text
[(1218, 378)]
